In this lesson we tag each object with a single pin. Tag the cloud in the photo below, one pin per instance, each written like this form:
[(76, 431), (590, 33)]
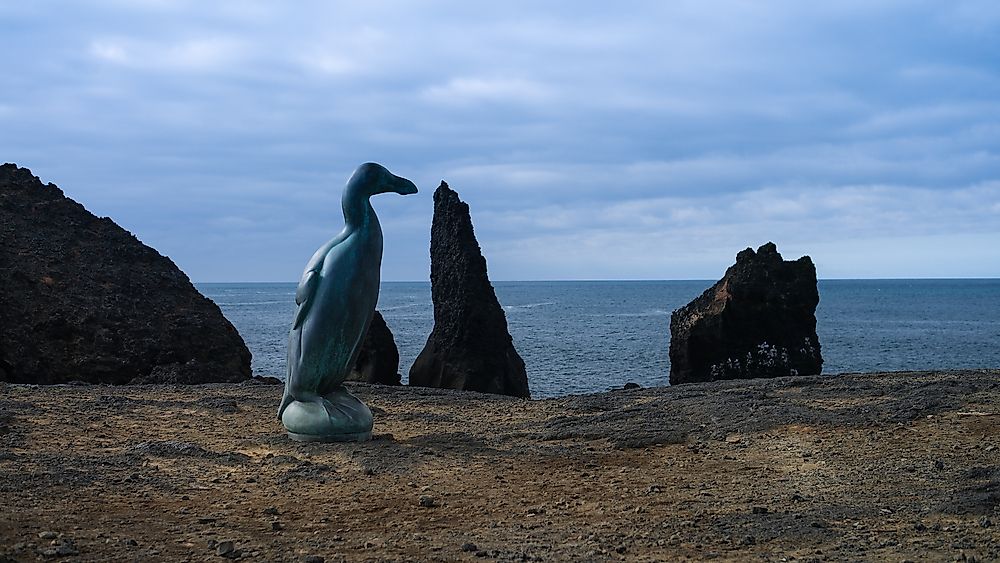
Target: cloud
[(650, 140), (465, 90), (200, 55)]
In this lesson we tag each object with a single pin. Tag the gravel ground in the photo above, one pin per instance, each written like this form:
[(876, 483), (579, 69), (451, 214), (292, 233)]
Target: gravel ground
[(896, 466)]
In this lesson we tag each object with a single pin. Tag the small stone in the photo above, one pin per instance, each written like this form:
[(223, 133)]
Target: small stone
[(48, 535), (938, 464), (919, 526), (313, 559), (64, 548), (469, 547), (271, 511), (224, 548), (427, 501), (749, 540), (277, 526), (759, 510), (631, 385), (131, 542), (985, 522)]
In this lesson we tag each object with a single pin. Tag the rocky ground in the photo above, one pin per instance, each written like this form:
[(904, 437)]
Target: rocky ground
[(900, 466)]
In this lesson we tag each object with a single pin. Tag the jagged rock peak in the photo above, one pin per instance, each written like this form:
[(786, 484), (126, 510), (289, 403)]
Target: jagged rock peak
[(470, 347), (759, 320), (83, 299), (378, 359)]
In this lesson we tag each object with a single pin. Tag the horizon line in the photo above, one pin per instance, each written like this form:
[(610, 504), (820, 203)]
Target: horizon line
[(969, 278)]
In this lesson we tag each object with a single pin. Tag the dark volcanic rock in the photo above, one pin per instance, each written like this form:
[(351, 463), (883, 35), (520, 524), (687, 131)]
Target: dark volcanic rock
[(82, 299), (469, 348), (378, 360), (759, 320)]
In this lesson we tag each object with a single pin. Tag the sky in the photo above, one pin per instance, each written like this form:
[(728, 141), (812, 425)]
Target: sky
[(592, 140)]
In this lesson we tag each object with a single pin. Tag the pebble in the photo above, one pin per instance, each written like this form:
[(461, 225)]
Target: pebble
[(48, 535), (938, 464), (228, 550), (271, 511), (985, 522), (313, 559), (469, 547), (427, 501), (759, 510), (61, 549), (277, 526)]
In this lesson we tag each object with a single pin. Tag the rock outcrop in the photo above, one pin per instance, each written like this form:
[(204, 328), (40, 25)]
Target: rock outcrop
[(759, 320), (470, 347), (82, 299), (378, 360)]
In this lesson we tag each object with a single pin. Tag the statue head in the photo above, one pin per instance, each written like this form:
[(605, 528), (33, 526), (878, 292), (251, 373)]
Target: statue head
[(371, 178)]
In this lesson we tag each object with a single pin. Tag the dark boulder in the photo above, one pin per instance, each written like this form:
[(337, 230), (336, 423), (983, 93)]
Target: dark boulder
[(759, 320), (378, 359), (470, 347), (83, 299)]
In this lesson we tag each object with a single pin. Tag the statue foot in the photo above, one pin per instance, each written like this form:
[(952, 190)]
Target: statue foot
[(337, 417)]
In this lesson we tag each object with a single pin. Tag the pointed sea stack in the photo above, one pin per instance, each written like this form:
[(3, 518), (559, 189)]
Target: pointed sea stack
[(82, 299), (470, 347), (378, 360), (759, 320)]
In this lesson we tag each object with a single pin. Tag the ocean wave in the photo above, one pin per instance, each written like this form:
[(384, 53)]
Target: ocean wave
[(398, 307), (510, 308), (647, 313), (283, 301)]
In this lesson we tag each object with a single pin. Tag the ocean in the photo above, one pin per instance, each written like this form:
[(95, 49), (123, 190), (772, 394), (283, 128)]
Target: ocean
[(588, 336)]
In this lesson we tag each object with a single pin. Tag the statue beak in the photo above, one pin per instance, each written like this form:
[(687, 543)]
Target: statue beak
[(402, 186)]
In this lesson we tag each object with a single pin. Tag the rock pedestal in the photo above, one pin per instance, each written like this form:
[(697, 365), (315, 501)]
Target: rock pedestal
[(82, 299), (378, 360), (470, 347), (759, 320)]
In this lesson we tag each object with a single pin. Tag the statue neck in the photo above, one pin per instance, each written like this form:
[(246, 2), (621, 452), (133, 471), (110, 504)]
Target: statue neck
[(358, 212)]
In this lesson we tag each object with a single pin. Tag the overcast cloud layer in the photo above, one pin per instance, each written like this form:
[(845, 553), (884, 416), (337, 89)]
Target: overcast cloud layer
[(650, 140)]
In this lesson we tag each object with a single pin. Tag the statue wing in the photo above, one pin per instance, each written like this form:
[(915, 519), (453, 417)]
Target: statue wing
[(306, 290), (304, 295)]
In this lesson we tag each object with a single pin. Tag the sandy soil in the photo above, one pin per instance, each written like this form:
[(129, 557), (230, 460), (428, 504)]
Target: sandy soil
[(902, 466)]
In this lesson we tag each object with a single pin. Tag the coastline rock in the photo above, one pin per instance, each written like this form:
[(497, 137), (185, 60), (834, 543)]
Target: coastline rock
[(470, 347), (759, 320), (378, 359), (83, 299)]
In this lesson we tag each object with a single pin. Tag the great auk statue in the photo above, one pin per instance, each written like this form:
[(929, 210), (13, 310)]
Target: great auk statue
[(336, 300)]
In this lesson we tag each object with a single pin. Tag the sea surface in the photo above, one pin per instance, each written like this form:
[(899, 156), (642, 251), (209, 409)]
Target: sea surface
[(588, 336)]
